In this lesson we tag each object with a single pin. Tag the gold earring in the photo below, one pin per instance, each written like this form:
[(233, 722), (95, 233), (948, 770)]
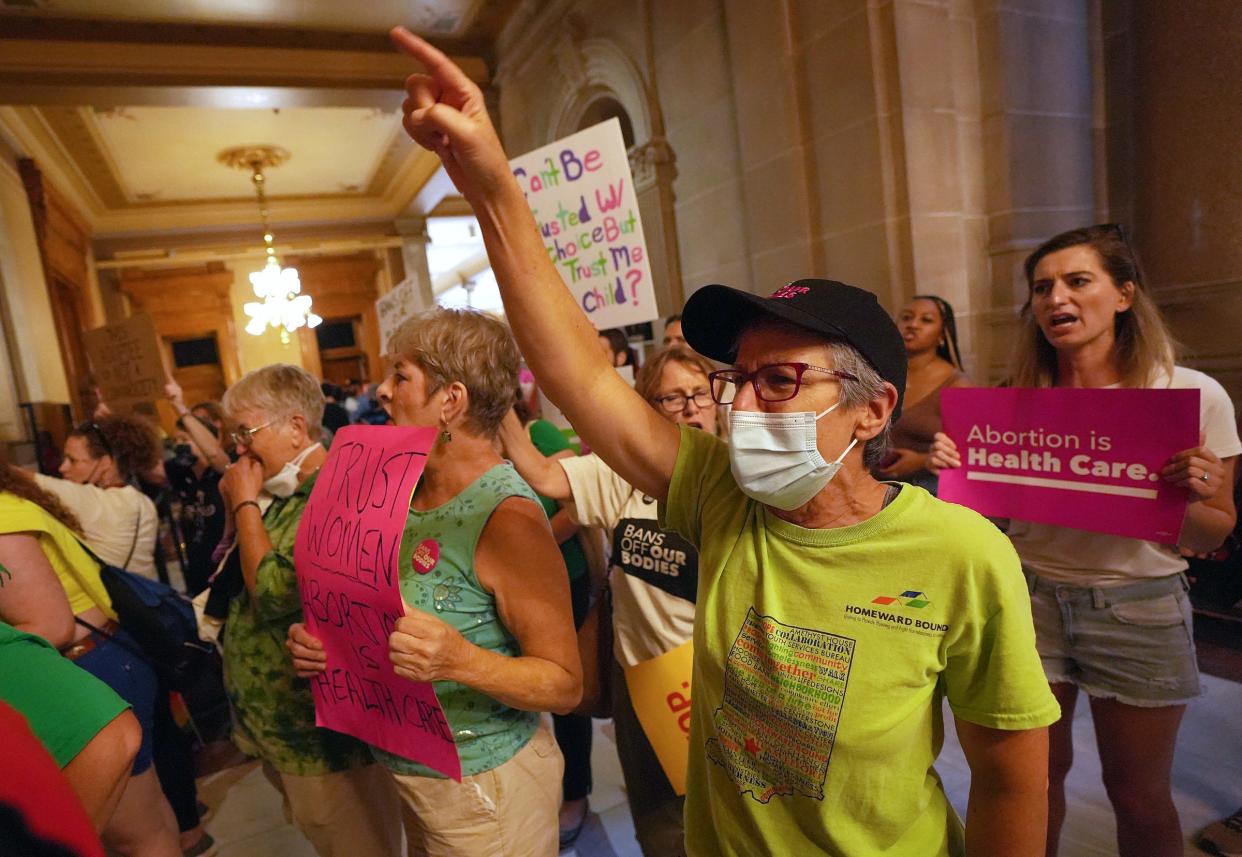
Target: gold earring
[(446, 436)]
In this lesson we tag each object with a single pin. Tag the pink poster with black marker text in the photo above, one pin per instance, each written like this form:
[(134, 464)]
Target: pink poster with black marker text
[(1086, 459), (347, 559)]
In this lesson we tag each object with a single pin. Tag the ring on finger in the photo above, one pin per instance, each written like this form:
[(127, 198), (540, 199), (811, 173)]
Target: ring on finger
[(1204, 477)]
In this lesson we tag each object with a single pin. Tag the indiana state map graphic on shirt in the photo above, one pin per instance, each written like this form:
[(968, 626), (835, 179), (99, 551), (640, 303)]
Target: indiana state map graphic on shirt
[(784, 688)]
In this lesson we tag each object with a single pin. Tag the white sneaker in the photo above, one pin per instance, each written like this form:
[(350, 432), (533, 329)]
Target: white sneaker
[(1224, 837)]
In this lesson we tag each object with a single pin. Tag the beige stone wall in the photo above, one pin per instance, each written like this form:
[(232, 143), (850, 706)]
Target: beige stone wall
[(915, 146), (1179, 166), (26, 302), (840, 140)]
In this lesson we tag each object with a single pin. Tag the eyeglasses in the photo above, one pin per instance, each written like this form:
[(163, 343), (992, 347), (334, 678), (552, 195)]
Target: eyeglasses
[(675, 403), (243, 437), (776, 382)]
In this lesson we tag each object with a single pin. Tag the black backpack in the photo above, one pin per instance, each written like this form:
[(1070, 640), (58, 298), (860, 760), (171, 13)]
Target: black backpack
[(160, 620)]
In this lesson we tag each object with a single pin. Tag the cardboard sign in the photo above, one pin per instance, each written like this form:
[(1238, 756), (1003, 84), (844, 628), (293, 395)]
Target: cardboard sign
[(1086, 459), (660, 692), (125, 359), (395, 307), (583, 198), (347, 556)]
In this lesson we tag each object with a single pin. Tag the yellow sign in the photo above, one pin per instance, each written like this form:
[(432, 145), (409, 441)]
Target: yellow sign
[(660, 692)]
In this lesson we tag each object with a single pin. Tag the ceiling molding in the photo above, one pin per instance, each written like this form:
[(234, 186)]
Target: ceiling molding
[(107, 64), (410, 168), (33, 139)]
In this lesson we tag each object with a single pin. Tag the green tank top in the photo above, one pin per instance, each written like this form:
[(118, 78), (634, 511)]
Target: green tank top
[(437, 576)]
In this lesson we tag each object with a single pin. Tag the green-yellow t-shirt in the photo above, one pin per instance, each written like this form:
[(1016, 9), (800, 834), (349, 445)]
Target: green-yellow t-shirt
[(820, 661), (77, 571)]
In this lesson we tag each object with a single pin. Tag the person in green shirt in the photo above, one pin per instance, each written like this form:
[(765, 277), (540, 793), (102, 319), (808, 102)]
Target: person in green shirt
[(340, 800), (835, 612)]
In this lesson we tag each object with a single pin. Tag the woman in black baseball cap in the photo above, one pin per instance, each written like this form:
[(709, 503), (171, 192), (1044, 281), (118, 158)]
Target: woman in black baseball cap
[(834, 612)]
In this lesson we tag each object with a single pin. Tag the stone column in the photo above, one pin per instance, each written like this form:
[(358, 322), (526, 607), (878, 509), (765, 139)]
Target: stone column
[(654, 167), (414, 241)]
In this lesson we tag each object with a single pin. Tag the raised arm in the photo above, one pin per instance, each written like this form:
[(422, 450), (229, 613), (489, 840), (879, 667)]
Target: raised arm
[(445, 113), (206, 439), (543, 474)]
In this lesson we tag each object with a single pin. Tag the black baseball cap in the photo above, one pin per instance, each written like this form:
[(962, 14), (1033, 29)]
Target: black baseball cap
[(716, 315)]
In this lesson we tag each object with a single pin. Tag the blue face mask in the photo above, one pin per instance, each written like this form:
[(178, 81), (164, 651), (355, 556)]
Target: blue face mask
[(775, 457)]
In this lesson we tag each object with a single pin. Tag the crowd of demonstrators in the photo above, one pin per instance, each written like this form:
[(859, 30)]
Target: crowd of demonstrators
[(652, 608), (573, 731), (1112, 616), (934, 364), (780, 543), (52, 588), (817, 719), (490, 624)]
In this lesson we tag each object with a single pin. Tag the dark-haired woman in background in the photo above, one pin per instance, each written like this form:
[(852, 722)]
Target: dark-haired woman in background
[(935, 364), (1111, 614), (102, 458), (617, 348)]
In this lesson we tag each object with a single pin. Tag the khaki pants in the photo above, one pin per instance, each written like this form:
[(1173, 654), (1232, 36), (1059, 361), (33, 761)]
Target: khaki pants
[(509, 811), (352, 813)]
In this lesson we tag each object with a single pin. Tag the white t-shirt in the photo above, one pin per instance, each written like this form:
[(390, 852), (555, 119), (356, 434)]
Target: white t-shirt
[(654, 573), (1081, 558), (110, 518)]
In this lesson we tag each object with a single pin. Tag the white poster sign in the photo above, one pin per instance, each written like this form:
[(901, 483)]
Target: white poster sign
[(395, 307), (583, 197)]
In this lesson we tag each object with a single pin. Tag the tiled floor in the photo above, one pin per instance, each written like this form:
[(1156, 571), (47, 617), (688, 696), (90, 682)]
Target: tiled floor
[(1207, 778)]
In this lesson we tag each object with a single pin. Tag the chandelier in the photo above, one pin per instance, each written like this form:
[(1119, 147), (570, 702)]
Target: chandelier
[(281, 303)]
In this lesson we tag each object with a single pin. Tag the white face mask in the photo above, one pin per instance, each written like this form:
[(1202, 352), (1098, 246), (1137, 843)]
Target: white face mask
[(285, 482), (775, 458)]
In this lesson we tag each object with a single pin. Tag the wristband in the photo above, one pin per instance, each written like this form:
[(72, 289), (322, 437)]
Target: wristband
[(244, 503)]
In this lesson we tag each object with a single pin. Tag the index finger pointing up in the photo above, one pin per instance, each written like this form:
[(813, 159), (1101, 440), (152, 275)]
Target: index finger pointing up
[(433, 59)]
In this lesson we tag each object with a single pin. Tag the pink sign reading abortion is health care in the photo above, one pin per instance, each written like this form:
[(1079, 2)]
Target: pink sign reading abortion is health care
[(347, 556), (1087, 459)]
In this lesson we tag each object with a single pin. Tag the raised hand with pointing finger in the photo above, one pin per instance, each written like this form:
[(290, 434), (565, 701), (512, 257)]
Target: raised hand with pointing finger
[(444, 113)]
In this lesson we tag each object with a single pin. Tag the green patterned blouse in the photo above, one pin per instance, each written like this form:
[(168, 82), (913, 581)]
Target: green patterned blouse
[(274, 715)]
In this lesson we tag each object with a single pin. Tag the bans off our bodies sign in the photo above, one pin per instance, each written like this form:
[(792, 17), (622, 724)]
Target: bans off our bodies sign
[(583, 198), (1086, 459)]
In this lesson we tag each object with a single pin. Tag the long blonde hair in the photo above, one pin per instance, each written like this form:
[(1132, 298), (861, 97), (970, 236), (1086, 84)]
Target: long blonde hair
[(1143, 348)]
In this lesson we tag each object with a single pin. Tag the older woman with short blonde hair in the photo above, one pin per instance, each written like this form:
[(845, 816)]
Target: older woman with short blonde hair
[(490, 622), (341, 802)]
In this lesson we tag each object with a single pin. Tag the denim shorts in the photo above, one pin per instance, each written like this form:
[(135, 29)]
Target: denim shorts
[(134, 681), (1133, 643)]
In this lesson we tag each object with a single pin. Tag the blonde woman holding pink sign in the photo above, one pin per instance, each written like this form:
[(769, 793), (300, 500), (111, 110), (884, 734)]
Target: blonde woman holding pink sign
[(488, 615), (1111, 613)]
